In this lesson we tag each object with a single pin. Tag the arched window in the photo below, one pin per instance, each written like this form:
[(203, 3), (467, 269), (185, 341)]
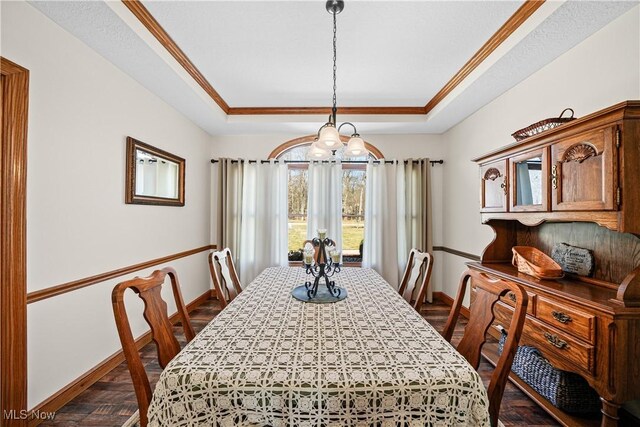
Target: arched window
[(353, 196)]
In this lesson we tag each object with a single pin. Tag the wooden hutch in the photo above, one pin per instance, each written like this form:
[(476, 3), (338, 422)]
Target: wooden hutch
[(576, 184)]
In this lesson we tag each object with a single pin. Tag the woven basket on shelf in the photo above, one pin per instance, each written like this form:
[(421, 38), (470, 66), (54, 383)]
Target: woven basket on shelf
[(535, 263), (565, 390), (542, 125)]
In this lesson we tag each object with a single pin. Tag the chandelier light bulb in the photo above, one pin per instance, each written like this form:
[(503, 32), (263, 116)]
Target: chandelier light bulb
[(317, 152), (330, 138), (356, 147)]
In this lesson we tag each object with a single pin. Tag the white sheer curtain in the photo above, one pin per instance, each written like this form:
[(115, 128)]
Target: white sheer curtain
[(324, 205), (380, 249), (263, 232), (397, 216), (252, 215)]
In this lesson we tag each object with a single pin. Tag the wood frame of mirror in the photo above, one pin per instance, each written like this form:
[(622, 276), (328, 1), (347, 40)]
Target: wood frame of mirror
[(130, 188)]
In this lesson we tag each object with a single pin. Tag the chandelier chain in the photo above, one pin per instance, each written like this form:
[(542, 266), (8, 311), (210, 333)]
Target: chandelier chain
[(334, 109)]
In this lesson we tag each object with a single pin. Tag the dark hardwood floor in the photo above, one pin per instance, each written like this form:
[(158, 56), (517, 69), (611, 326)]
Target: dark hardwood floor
[(111, 401)]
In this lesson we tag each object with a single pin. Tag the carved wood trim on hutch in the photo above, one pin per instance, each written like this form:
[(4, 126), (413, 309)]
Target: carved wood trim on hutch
[(590, 326), (14, 97)]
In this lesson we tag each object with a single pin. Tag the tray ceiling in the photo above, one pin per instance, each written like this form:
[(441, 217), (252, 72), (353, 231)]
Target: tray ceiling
[(278, 54)]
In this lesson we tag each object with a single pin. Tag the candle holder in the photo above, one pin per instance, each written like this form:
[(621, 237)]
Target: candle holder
[(322, 270)]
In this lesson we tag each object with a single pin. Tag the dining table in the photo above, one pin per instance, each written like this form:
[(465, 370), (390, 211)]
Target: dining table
[(269, 359)]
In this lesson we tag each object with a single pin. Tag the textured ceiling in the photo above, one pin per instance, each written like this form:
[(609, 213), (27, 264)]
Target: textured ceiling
[(279, 53)]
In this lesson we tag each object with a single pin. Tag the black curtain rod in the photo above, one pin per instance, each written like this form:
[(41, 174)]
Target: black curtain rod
[(362, 162)]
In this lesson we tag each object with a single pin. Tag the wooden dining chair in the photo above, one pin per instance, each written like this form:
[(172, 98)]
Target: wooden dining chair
[(481, 316), (155, 313), (418, 266), (224, 276)]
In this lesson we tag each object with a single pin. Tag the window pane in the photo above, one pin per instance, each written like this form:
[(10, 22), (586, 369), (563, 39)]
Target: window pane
[(353, 193), (297, 210)]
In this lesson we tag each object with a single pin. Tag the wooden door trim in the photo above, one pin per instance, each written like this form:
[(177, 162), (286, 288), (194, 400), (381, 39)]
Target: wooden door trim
[(13, 243)]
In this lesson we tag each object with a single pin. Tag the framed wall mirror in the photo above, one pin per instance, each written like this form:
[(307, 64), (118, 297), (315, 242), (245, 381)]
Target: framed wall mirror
[(154, 176)]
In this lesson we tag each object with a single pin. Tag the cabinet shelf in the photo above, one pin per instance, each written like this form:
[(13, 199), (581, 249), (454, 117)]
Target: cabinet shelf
[(490, 353), (554, 188)]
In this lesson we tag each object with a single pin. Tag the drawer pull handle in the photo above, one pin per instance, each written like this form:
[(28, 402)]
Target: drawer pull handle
[(512, 296), (561, 317), (504, 185), (555, 341)]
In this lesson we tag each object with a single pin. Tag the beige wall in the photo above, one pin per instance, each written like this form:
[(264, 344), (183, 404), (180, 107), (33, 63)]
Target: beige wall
[(81, 110), (599, 72)]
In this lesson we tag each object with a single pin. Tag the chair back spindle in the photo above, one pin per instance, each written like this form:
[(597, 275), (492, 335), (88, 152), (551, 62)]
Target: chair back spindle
[(155, 313), (418, 267), (224, 276), (481, 316)]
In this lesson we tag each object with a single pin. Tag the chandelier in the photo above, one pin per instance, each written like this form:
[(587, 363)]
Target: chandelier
[(328, 140)]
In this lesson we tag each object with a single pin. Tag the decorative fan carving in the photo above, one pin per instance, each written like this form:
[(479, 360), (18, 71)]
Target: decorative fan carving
[(579, 153), (492, 174)]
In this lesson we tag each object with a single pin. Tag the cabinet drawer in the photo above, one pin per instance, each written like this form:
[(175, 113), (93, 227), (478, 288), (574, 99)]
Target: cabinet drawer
[(570, 352), (510, 299), (577, 323), (560, 349)]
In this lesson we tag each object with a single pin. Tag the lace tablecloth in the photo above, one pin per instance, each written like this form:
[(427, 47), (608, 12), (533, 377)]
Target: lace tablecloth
[(271, 360)]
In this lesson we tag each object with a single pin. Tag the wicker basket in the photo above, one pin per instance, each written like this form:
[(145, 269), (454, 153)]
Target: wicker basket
[(543, 125), (535, 263), (565, 390)]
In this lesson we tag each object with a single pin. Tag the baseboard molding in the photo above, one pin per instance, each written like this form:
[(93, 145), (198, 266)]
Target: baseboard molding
[(73, 389), (442, 297)]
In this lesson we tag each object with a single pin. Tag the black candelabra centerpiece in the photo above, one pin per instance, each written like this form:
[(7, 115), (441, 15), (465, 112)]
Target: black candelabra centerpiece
[(321, 267)]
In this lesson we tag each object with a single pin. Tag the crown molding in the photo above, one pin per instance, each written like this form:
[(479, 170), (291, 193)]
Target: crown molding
[(143, 15), (516, 20), (239, 111)]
